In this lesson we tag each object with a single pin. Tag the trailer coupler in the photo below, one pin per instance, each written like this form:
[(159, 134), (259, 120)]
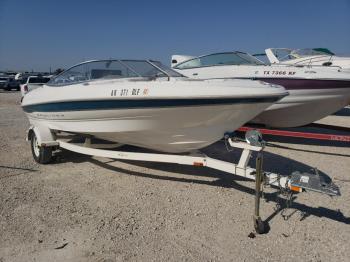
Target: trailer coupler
[(313, 182)]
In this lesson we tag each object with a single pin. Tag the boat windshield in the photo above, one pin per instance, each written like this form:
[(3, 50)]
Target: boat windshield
[(284, 54), (230, 58), (112, 69), (311, 52)]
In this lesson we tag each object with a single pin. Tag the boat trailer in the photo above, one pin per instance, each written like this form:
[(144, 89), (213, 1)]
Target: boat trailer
[(295, 182)]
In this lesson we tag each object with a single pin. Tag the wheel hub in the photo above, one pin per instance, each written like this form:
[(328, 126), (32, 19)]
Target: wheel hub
[(36, 147)]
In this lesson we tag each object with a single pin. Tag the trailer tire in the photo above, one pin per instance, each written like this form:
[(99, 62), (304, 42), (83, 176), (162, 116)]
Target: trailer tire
[(41, 154)]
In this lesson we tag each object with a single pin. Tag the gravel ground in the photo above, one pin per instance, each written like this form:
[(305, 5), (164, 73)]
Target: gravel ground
[(92, 209)]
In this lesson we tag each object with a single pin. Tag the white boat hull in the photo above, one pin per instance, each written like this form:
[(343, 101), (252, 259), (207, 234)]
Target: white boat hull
[(175, 130), (314, 93), (303, 107), (168, 116)]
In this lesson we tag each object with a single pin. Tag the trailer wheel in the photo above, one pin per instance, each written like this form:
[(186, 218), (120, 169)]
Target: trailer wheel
[(42, 155)]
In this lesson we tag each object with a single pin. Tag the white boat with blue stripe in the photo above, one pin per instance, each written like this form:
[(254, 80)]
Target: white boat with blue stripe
[(144, 103)]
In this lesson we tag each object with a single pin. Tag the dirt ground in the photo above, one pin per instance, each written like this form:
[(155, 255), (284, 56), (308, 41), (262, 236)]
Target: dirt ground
[(83, 208)]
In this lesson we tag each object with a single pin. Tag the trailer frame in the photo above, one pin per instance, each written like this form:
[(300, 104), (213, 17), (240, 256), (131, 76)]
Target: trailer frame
[(294, 182)]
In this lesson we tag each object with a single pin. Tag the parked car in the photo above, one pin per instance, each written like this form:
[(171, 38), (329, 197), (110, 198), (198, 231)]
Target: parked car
[(3, 82), (32, 83), (9, 83)]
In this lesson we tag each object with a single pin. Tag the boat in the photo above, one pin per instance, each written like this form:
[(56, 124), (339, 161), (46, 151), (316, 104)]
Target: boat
[(143, 103), (314, 91), (306, 56)]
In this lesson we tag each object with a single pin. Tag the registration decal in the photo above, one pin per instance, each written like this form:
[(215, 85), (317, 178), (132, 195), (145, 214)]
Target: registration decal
[(275, 72), (129, 92)]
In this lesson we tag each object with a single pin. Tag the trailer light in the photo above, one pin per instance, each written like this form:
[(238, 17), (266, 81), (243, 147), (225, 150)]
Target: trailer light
[(296, 188), (197, 163)]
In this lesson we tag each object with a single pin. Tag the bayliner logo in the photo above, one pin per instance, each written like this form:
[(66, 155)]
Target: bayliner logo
[(49, 115)]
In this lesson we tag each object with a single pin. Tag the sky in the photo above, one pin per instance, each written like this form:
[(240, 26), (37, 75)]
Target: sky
[(37, 34)]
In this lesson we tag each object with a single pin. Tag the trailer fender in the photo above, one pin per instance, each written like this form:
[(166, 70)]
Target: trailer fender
[(44, 135)]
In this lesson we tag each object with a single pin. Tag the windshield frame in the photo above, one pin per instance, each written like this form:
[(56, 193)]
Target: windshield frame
[(308, 52), (122, 62), (292, 54), (261, 63)]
